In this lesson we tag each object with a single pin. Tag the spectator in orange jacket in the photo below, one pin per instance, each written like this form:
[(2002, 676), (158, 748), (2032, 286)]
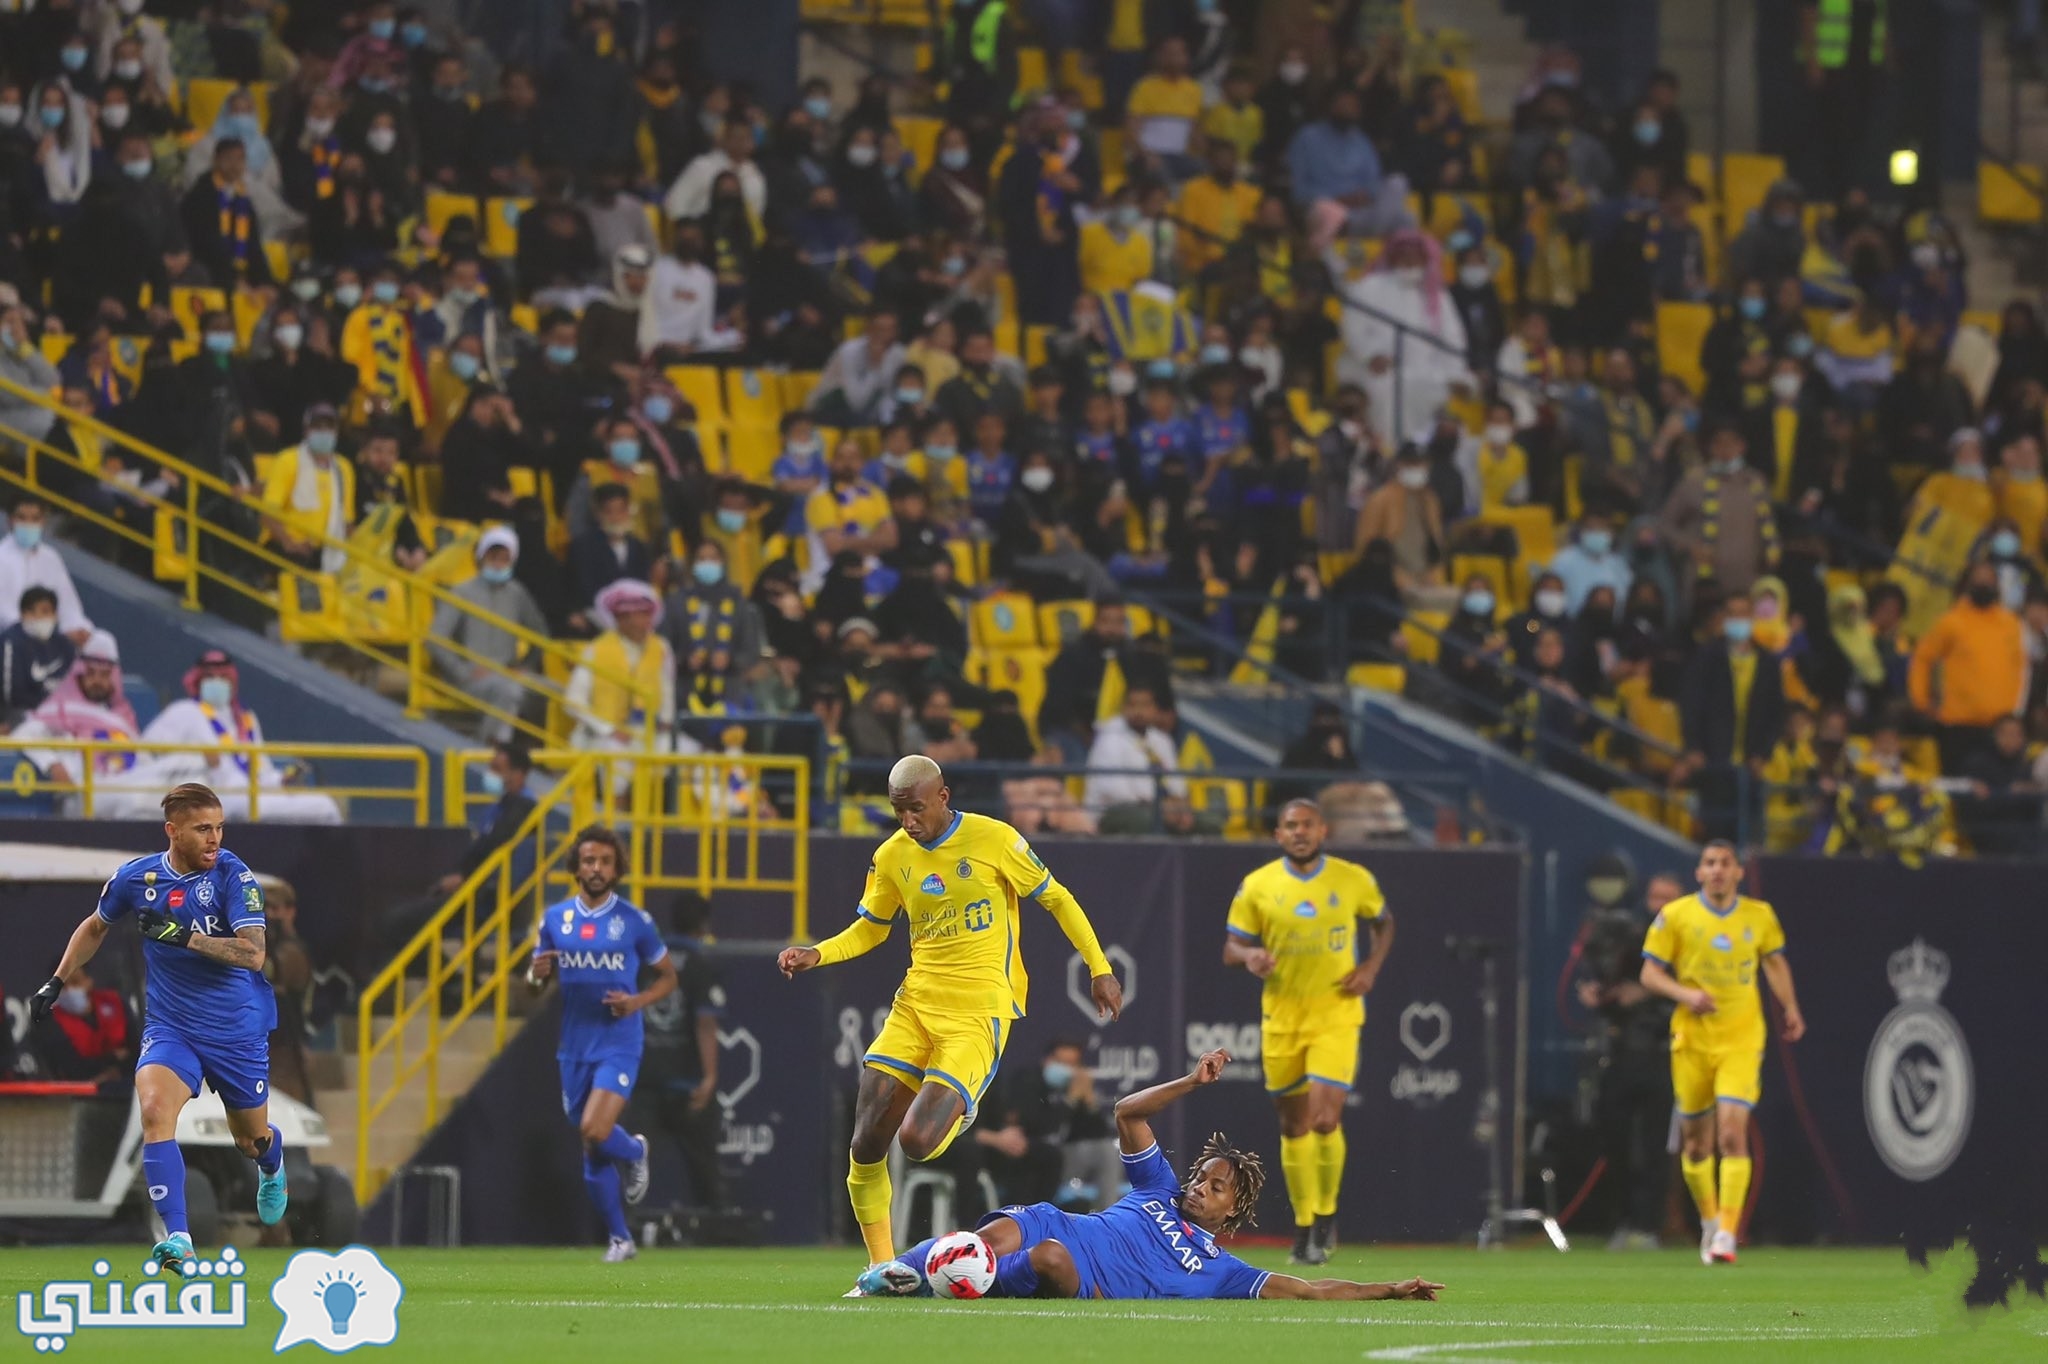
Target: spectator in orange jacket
[(1971, 668)]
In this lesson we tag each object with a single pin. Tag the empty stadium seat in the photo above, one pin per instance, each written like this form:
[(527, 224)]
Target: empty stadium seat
[(501, 226), (1681, 330), (442, 207), (753, 397), (1008, 620), (701, 389), (1746, 178), (1387, 677)]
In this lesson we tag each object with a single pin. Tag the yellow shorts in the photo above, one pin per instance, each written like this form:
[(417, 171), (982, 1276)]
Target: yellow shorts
[(1704, 1076), (1295, 1057), (959, 1051)]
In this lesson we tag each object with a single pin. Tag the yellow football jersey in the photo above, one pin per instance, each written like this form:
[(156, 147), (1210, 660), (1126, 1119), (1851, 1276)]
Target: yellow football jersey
[(1720, 953), (1310, 925), (959, 898)]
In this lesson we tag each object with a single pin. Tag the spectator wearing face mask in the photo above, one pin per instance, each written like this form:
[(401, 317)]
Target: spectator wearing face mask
[(1591, 561), (22, 364), (1733, 710), (1719, 516), (89, 1037), (1971, 668), (479, 658), (27, 561), (1335, 171), (310, 496), (294, 379), (856, 382), (211, 715), (1409, 374), (1127, 747), (954, 195), (1495, 468), (1405, 513), (713, 629), (1549, 609), (34, 657), (606, 551)]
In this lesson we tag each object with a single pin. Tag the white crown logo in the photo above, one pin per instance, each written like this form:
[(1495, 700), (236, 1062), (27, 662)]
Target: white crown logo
[(1918, 972)]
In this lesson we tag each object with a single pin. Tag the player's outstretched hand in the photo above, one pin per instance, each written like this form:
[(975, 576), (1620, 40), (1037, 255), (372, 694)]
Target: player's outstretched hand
[(162, 928), (43, 1001), (1108, 994), (1422, 1290), (794, 959), (1209, 1069)]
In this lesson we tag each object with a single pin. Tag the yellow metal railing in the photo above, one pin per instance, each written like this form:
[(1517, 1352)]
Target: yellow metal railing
[(183, 515), (463, 960), (101, 766)]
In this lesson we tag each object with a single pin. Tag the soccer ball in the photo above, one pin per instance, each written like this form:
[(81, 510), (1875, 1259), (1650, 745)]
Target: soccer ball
[(960, 1266)]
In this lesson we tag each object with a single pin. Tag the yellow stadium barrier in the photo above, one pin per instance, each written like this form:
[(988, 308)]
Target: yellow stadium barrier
[(101, 763)]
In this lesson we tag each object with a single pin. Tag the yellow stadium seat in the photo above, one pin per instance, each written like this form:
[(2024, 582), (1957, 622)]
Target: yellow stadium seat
[(904, 14), (2008, 196), (501, 226), (278, 256), (1140, 621), (205, 97), (751, 452), (1699, 169), (1008, 620), (309, 609), (966, 566), (171, 557), (920, 136), (56, 345), (1681, 330), (1746, 178), (1984, 319), (1015, 670), (1448, 212), (701, 389), (1110, 145), (525, 483), (1009, 336), (1464, 86), (1421, 634), (248, 308), (1495, 570), (262, 465), (753, 397), (1060, 621), (1032, 72), (526, 318), (427, 487), (797, 387), (1574, 471), (1035, 339), (1388, 677), (443, 207), (188, 304)]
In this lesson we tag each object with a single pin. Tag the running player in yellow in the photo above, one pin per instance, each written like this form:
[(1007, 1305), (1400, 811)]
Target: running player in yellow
[(1704, 953), (956, 881), (1294, 926)]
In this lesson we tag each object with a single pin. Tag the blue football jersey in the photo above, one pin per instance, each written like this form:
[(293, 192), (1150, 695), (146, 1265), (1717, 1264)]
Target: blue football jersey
[(601, 950), (1141, 1247), (185, 990)]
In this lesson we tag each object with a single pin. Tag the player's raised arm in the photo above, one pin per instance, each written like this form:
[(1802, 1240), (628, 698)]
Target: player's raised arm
[(85, 941), (1134, 1112), (1029, 877), (1286, 1286), (872, 918)]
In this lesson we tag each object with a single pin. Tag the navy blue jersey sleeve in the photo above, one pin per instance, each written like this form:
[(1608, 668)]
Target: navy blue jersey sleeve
[(114, 897), (1236, 1279), (245, 894), (1149, 1173)]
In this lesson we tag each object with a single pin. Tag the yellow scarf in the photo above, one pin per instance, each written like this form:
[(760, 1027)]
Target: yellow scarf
[(610, 700)]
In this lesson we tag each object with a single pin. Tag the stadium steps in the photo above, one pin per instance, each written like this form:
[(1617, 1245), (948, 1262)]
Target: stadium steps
[(400, 1129)]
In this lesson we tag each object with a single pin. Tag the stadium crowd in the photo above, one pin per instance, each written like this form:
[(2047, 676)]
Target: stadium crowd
[(760, 401)]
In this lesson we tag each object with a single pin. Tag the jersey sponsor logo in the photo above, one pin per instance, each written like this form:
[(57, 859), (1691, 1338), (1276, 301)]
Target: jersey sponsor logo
[(203, 892), (1919, 1086), (1721, 943), (1425, 1032), (980, 916), (149, 894), (1305, 910), (587, 932), (248, 876), (593, 961), (253, 898), (933, 884), (176, 899), (1179, 1238)]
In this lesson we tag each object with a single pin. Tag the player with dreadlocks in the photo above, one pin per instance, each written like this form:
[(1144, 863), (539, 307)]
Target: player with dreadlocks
[(1158, 1241)]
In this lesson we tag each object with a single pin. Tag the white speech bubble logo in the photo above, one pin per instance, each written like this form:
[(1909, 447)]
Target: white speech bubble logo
[(337, 1301)]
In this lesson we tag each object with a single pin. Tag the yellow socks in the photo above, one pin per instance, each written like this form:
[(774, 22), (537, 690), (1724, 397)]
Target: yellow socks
[(1330, 1150), (1699, 1180), (1303, 1171), (1734, 1190), (869, 1189)]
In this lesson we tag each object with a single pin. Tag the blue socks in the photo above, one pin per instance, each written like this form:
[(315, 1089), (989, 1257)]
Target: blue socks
[(601, 1178), (619, 1145), (1015, 1278), (163, 1170), (914, 1257), (273, 1153)]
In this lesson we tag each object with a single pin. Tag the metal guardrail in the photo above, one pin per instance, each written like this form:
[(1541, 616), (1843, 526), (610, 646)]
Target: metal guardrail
[(101, 763)]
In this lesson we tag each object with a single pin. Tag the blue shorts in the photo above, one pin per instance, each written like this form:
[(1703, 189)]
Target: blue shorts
[(238, 1069), (614, 1071), (1046, 1222)]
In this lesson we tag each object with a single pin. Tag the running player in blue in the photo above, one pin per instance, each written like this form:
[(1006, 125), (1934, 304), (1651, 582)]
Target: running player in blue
[(1158, 1241), (596, 944), (208, 1011)]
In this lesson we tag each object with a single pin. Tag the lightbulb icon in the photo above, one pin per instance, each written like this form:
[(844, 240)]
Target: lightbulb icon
[(339, 1295)]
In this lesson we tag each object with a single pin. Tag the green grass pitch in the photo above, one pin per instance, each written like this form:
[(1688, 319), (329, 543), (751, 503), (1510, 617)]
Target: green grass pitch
[(1528, 1304)]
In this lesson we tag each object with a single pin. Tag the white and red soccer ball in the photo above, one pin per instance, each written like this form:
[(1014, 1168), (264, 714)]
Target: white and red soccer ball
[(960, 1266)]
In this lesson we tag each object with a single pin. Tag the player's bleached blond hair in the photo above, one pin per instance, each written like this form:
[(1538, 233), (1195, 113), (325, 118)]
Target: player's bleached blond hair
[(1251, 1179), (912, 772)]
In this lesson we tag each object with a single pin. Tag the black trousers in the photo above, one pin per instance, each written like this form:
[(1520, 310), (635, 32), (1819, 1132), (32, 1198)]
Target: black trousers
[(1633, 1112), (696, 1133)]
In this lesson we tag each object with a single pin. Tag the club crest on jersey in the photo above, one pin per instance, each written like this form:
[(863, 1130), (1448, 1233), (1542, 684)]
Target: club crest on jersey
[(203, 892), (933, 884), (965, 871), (1721, 943), (1305, 910), (176, 899), (617, 929), (1333, 899)]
